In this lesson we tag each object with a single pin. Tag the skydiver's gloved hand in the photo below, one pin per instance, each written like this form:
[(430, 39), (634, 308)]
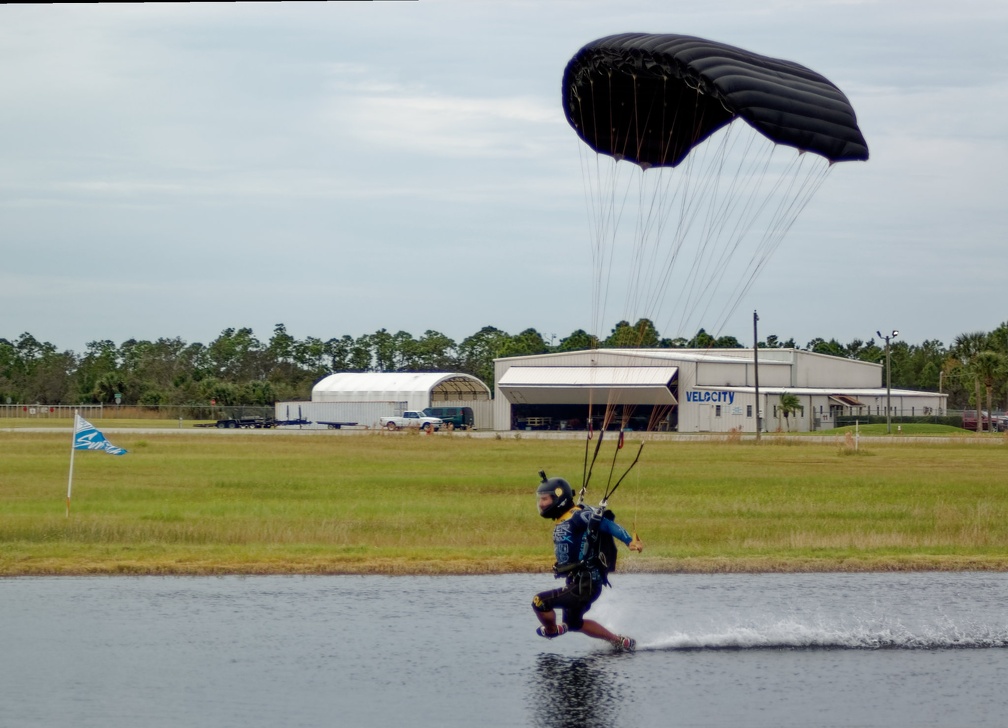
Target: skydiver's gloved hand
[(636, 545)]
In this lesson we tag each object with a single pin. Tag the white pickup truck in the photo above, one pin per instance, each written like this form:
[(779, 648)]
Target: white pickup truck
[(411, 418)]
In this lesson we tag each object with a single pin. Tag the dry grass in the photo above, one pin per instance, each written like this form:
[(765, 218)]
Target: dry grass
[(400, 503)]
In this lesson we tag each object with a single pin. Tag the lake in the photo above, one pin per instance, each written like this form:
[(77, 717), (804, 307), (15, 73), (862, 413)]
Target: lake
[(920, 649)]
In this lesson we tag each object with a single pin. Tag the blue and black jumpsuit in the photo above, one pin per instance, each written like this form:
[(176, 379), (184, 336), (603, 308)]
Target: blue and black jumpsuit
[(584, 582)]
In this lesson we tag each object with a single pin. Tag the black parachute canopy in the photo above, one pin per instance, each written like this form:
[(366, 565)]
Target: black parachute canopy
[(651, 98)]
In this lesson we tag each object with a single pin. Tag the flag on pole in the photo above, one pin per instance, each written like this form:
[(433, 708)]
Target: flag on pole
[(87, 437)]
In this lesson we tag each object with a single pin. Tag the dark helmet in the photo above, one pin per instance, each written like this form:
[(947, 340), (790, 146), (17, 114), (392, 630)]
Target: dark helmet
[(561, 493)]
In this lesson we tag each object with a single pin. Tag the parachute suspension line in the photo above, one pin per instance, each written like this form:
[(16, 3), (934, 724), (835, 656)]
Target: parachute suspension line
[(641, 299), (656, 268), (597, 235), (606, 198), (709, 188), (607, 195), (596, 211), (674, 72), (591, 208), (658, 414), (591, 465), (601, 209), (680, 197), (693, 184), (653, 218), (793, 190), (645, 290), (644, 248), (621, 150), (730, 216), (737, 203), (688, 207), (636, 504), (666, 149), (701, 165), (694, 230), (716, 245), (612, 465), (610, 491), (610, 487), (801, 186), (649, 223), (585, 474), (638, 136)]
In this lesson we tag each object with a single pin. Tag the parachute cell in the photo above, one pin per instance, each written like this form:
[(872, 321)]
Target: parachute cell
[(651, 99)]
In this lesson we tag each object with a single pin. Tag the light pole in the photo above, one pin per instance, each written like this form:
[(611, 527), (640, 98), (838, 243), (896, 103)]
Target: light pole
[(941, 376), (755, 351), (888, 380)]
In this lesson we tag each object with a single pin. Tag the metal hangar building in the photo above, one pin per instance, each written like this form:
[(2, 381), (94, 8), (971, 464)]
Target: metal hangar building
[(694, 390)]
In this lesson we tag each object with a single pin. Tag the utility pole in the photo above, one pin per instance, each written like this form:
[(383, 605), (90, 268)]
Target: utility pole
[(755, 351), (888, 380)]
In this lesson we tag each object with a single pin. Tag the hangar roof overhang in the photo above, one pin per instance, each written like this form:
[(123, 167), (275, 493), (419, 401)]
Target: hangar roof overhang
[(846, 400), (589, 385)]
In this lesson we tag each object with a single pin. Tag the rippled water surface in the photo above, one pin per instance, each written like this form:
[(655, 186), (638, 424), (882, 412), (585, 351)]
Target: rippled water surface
[(739, 650)]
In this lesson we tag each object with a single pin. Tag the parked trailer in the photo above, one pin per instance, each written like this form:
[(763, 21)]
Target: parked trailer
[(234, 423), (337, 415)]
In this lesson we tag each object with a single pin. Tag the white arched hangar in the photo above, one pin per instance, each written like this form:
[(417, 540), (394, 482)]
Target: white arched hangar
[(360, 399)]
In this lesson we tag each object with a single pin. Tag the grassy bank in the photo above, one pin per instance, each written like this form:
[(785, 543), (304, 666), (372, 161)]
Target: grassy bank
[(401, 503)]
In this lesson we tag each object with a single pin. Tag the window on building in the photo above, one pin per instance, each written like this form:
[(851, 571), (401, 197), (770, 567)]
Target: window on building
[(748, 410), (717, 410)]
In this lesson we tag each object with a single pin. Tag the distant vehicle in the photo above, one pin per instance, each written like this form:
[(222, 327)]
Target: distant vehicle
[(459, 418), (337, 425), (969, 421), (245, 423), (412, 418)]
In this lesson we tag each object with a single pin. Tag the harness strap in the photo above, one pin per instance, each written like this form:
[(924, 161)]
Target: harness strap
[(568, 568)]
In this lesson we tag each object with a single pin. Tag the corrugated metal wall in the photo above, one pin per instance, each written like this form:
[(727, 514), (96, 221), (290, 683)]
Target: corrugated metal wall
[(363, 414)]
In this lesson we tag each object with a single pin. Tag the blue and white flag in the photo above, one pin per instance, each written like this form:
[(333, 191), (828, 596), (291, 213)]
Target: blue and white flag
[(88, 437)]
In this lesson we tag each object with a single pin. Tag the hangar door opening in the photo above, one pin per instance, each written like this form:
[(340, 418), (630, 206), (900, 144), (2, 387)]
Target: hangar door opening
[(569, 398)]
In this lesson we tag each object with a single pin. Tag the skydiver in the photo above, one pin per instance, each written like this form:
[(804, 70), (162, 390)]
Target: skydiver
[(575, 537)]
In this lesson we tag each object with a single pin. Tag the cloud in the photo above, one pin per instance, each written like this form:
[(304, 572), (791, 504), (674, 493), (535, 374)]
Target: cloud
[(437, 125), (343, 148)]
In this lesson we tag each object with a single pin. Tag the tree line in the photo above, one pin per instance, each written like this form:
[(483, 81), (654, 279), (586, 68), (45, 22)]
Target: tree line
[(237, 368)]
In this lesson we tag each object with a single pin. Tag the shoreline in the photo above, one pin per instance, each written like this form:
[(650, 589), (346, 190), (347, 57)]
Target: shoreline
[(393, 567)]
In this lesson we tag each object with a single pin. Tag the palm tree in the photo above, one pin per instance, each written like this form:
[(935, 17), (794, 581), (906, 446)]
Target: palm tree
[(966, 349), (988, 366), (998, 340), (788, 403)]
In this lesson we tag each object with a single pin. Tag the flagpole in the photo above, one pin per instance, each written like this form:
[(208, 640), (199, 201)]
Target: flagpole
[(73, 441)]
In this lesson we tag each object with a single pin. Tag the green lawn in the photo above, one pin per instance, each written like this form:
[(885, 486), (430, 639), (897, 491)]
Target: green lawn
[(245, 502)]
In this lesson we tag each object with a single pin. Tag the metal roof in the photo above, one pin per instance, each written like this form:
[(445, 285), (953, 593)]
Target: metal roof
[(588, 385), (771, 357), (854, 392), (397, 386)]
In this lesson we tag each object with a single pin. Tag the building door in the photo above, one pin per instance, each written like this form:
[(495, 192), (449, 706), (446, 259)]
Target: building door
[(704, 415)]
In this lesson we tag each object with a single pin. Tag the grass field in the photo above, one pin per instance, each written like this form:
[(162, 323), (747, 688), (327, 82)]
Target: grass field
[(253, 502)]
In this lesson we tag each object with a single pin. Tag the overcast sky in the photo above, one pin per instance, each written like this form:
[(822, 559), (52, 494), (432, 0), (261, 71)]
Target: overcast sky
[(175, 170)]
